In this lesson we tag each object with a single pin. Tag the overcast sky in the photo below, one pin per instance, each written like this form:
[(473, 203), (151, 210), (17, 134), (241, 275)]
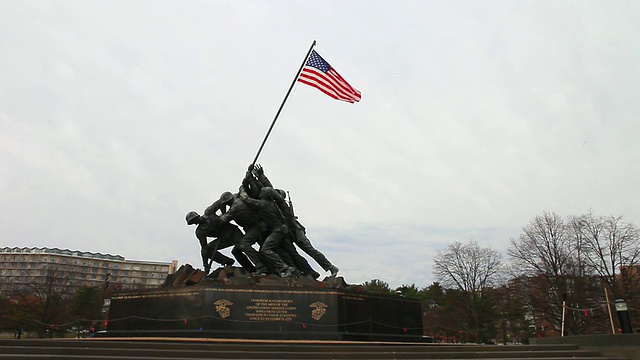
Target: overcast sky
[(119, 117)]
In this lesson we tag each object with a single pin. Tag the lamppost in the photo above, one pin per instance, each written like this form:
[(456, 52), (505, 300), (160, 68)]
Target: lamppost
[(623, 316), (105, 302)]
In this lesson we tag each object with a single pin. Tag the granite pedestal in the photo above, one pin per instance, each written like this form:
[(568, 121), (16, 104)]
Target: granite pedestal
[(264, 312)]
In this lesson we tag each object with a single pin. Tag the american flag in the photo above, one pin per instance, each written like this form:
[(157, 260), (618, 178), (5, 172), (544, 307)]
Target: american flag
[(319, 74)]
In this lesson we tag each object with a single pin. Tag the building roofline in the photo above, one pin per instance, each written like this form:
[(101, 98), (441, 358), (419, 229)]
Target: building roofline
[(73, 253), (57, 251)]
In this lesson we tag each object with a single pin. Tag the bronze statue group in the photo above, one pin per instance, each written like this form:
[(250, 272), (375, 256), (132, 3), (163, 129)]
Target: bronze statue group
[(266, 219)]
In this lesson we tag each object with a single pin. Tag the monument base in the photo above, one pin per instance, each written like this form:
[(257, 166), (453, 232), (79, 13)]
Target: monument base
[(264, 312)]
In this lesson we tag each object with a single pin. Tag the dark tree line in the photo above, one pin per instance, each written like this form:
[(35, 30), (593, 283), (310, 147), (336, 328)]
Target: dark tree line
[(49, 305), (556, 266)]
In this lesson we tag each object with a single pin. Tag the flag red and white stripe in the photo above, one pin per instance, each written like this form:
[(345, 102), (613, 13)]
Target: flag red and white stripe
[(319, 74)]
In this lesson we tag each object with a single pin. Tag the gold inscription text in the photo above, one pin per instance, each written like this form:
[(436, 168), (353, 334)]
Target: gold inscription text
[(271, 310)]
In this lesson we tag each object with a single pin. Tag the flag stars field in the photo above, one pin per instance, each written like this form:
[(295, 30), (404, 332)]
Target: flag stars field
[(319, 74)]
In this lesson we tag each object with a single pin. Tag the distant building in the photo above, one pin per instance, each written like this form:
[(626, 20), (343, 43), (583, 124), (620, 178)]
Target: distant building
[(23, 266)]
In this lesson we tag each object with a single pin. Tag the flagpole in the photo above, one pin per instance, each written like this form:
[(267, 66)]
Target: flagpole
[(283, 101)]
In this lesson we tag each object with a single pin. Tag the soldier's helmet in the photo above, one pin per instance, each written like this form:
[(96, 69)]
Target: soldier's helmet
[(226, 197), (282, 193), (191, 215)]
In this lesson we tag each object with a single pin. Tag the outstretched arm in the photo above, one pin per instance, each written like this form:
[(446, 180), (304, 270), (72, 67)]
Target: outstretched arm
[(250, 184), (211, 210), (255, 203), (258, 171), (202, 239)]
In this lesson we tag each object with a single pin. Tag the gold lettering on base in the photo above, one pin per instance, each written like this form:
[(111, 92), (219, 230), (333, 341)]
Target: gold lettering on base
[(319, 310), (222, 309), (271, 310)]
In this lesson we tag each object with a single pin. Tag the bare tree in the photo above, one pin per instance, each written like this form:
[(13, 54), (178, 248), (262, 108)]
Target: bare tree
[(45, 300), (473, 271), (543, 254), (614, 249), (588, 311), (552, 258), (542, 247)]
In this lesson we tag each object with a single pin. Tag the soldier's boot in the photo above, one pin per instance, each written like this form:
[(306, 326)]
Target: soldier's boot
[(334, 270)]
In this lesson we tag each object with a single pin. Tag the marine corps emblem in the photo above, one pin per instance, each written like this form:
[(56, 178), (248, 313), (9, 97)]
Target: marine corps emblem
[(319, 310), (222, 309)]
